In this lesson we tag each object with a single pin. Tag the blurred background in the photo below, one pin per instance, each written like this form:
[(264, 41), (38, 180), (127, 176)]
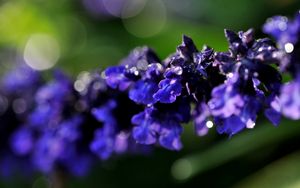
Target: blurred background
[(83, 35)]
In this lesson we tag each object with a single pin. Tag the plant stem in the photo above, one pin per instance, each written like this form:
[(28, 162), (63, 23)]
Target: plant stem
[(58, 179)]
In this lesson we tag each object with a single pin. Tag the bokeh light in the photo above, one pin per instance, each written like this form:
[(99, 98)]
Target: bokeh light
[(150, 21), (41, 51)]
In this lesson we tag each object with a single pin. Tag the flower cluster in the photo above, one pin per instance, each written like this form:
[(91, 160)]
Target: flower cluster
[(16, 102), (66, 124), (287, 34)]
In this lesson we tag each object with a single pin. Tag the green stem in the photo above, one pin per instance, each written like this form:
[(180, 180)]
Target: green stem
[(238, 145), (58, 179)]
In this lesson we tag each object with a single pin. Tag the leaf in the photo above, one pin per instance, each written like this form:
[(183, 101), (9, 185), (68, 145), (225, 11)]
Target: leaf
[(225, 151)]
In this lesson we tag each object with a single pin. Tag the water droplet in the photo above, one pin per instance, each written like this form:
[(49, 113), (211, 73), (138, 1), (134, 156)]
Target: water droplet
[(79, 86), (209, 124), (289, 47)]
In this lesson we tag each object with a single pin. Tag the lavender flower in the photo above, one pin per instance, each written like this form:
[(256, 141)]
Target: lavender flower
[(52, 128), (201, 116), (240, 98), (107, 112), (290, 99), (187, 74), (143, 91), (57, 146), (161, 123), (131, 68), (66, 125), (16, 91), (21, 78), (51, 104), (286, 33)]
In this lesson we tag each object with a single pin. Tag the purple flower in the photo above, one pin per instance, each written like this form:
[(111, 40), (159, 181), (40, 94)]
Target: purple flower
[(151, 128), (290, 99), (245, 66), (22, 141), (250, 110), (144, 133), (201, 121), (169, 90), (48, 93), (140, 57), (104, 113), (131, 69), (187, 74), (229, 105), (226, 99), (283, 30), (108, 113), (286, 33), (21, 78), (52, 106), (273, 113), (79, 165), (116, 79), (57, 145), (231, 125), (161, 123), (103, 144), (143, 90), (104, 137)]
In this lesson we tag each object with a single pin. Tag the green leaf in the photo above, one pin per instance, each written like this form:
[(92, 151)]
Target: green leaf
[(284, 173), (225, 151)]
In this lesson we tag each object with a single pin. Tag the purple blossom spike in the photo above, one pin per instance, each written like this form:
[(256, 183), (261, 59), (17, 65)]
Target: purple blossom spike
[(66, 125)]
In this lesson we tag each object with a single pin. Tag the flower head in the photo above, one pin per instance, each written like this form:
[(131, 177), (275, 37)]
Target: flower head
[(161, 123), (247, 88), (187, 74), (286, 33)]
